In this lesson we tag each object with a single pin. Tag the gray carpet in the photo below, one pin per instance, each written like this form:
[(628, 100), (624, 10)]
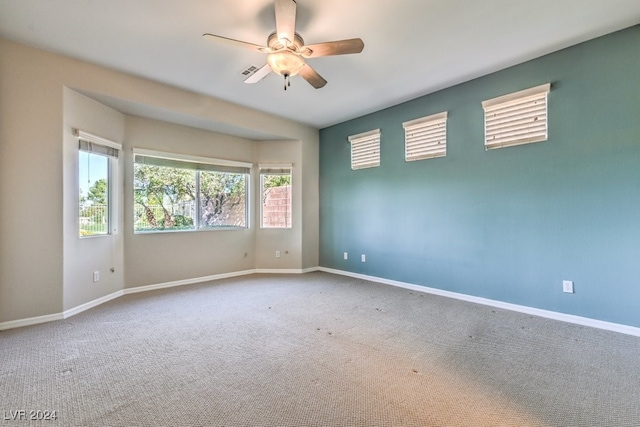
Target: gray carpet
[(315, 350)]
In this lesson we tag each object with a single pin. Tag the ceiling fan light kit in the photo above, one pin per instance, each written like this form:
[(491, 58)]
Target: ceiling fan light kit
[(286, 51), (286, 64)]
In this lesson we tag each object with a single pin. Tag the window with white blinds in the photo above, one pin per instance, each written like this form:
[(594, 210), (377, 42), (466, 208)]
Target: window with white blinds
[(516, 118), (365, 150), (425, 138), (97, 170)]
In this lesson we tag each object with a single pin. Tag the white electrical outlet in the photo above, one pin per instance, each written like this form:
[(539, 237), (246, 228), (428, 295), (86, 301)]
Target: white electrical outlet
[(363, 258), (567, 286), (277, 254), (96, 276), (346, 255)]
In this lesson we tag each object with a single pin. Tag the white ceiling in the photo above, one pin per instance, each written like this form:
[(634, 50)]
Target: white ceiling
[(412, 47)]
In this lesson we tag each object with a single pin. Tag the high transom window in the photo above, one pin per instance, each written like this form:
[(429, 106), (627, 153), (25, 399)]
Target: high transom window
[(517, 118), (425, 138), (365, 150)]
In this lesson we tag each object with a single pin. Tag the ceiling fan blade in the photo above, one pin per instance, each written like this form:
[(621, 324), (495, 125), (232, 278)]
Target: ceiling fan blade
[(238, 43), (258, 75), (286, 19), (340, 47), (312, 76)]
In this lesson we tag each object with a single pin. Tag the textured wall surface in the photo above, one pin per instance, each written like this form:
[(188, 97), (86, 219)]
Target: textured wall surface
[(39, 274), (507, 224)]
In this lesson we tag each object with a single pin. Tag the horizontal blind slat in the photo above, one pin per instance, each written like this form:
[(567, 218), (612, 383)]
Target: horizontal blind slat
[(435, 138), (516, 115), (514, 132), (436, 147), (425, 151), (516, 122), (427, 156), (516, 107), (540, 136), (365, 146), (529, 99), (436, 125), (513, 142), (519, 126), (425, 132), (515, 135), (361, 159)]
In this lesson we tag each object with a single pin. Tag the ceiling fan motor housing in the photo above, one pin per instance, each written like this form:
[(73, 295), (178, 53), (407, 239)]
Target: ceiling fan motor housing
[(293, 45)]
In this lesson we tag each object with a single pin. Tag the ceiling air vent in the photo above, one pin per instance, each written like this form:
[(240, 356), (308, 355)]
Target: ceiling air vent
[(249, 71)]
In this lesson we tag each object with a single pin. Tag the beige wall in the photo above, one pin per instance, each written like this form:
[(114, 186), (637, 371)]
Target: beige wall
[(310, 200), (83, 256), (288, 241), (41, 269), (163, 257)]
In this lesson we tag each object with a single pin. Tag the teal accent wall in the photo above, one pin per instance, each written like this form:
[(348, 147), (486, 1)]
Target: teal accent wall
[(507, 224)]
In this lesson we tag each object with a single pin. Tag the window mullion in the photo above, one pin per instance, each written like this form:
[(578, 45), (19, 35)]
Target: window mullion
[(198, 205)]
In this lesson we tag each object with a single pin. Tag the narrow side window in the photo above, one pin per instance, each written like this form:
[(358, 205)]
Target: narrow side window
[(275, 190), (97, 159)]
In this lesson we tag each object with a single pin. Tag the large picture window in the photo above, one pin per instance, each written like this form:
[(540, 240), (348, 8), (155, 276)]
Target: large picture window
[(97, 161), (275, 187), (181, 193)]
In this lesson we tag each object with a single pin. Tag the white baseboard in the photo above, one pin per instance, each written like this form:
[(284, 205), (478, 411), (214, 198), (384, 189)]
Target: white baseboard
[(87, 305), (187, 281), (569, 318), (286, 270), (11, 324)]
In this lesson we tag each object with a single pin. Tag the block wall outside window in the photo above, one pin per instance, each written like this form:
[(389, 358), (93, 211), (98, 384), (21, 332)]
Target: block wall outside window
[(276, 196)]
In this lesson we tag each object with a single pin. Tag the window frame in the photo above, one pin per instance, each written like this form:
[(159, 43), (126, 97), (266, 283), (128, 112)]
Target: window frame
[(275, 169), (431, 139), (201, 164), (530, 133), (93, 144)]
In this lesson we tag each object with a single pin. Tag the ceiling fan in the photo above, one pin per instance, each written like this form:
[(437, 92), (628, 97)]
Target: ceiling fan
[(286, 51)]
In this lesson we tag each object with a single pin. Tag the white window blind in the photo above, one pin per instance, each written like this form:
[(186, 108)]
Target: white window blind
[(365, 149), (516, 118), (96, 144), (425, 138), (183, 161), (275, 168)]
